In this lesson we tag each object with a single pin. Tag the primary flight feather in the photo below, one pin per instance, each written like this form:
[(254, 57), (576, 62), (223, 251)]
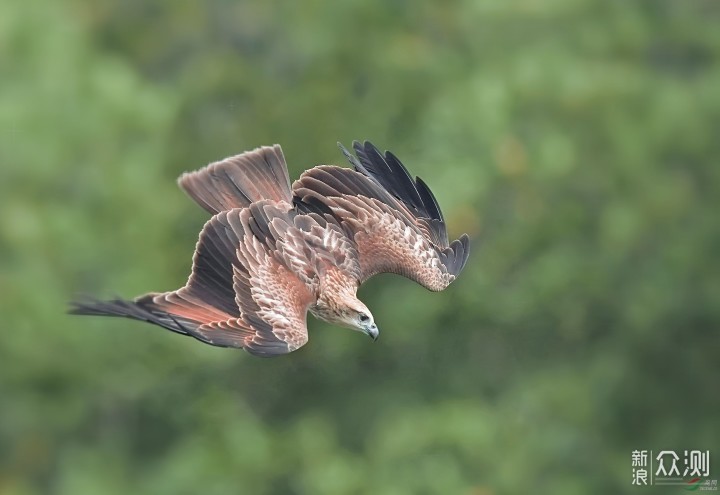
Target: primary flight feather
[(272, 252)]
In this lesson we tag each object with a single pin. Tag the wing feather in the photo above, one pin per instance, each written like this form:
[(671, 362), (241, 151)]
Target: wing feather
[(240, 292), (395, 221)]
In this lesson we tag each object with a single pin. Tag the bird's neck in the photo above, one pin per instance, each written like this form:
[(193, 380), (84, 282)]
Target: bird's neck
[(335, 290)]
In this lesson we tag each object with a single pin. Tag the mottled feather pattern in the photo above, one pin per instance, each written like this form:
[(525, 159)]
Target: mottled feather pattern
[(387, 244), (375, 217), (283, 301), (272, 252)]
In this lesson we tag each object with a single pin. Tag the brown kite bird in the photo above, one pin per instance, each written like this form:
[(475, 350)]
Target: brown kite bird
[(272, 252)]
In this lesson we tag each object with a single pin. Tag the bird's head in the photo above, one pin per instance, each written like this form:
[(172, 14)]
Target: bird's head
[(359, 317), (348, 312)]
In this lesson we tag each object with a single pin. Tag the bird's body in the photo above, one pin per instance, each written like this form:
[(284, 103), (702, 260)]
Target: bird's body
[(272, 252)]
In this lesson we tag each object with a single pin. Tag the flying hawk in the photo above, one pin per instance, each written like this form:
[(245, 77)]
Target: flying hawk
[(272, 252)]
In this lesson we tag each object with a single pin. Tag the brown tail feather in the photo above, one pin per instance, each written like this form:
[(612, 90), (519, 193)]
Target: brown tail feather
[(141, 309), (240, 180)]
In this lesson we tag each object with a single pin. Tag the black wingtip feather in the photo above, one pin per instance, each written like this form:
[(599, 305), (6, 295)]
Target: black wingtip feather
[(388, 171), (350, 157), (429, 200), (462, 252), (455, 256), (391, 174), (465, 239)]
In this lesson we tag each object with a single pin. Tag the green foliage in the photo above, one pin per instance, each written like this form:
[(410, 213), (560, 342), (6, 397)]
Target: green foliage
[(576, 141)]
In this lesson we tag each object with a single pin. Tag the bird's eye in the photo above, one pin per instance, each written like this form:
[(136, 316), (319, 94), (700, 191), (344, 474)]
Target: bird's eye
[(364, 317)]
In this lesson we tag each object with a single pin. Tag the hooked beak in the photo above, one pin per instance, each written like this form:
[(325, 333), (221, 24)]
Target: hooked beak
[(372, 331)]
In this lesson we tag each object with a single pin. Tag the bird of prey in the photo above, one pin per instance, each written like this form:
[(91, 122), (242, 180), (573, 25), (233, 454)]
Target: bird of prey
[(272, 252)]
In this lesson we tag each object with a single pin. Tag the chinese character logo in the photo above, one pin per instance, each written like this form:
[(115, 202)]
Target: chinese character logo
[(639, 462), (669, 468), (661, 457), (699, 463)]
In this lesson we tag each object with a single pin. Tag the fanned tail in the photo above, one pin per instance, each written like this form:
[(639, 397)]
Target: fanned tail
[(238, 181)]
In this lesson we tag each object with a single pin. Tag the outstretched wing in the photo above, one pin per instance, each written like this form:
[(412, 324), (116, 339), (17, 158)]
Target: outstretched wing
[(240, 292), (272, 299), (233, 267), (395, 221)]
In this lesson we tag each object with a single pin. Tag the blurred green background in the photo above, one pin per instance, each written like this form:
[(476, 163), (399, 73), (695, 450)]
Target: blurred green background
[(576, 141)]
